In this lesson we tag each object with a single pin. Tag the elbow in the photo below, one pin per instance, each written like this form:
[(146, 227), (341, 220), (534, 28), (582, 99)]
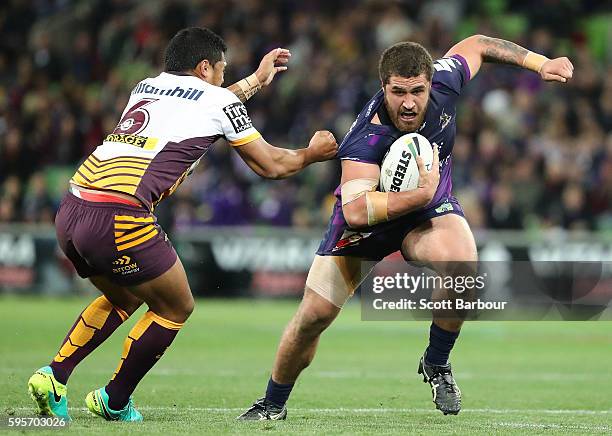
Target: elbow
[(276, 171), (355, 219), (272, 172), (273, 175)]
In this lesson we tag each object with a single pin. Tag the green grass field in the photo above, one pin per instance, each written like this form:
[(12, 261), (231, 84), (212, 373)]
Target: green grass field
[(516, 378)]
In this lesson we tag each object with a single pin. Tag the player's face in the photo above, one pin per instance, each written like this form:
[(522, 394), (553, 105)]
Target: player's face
[(218, 71), (406, 100)]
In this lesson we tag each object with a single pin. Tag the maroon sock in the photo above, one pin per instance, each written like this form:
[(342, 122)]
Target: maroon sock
[(96, 323), (143, 347)]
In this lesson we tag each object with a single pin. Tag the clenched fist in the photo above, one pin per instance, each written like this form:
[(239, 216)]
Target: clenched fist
[(557, 70), (322, 146)]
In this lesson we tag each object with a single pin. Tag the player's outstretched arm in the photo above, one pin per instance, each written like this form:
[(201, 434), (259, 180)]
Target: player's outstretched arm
[(273, 62), (479, 48), (363, 206), (277, 163)]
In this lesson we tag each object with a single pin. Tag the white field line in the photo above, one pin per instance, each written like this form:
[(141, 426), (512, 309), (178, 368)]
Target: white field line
[(551, 426), (335, 410), (332, 411)]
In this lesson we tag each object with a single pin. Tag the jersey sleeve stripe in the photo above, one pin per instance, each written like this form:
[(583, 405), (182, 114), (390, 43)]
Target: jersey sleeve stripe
[(252, 137), (466, 67)]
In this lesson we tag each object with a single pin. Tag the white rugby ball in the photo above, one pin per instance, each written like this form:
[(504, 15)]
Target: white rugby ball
[(399, 170)]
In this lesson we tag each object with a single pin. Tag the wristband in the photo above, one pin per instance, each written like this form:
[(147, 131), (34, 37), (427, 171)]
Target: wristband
[(534, 61), (249, 85), (376, 203)]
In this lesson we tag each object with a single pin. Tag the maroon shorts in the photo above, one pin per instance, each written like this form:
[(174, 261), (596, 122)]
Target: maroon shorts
[(121, 242)]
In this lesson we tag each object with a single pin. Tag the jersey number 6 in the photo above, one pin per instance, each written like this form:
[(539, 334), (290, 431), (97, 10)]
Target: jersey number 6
[(135, 119)]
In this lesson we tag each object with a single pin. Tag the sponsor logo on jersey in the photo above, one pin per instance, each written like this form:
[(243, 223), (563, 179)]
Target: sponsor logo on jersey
[(350, 238), (444, 207), (400, 171), (444, 119), (238, 116), (125, 266), (143, 142), (178, 92)]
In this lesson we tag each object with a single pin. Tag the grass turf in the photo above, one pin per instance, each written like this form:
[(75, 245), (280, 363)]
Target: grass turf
[(516, 377)]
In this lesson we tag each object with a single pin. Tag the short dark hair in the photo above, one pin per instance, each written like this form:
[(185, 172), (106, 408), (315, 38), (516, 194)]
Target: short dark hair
[(191, 46), (406, 59)]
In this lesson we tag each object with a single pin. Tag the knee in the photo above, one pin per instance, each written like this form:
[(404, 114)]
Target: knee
[(128, 303), (462, 262), (177, 310), (183, 309), (188, 306), (311, 322), (131, 306), (455, 255)]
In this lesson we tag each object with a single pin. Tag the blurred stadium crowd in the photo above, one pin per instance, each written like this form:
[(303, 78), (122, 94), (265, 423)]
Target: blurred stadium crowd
[(528, 154)]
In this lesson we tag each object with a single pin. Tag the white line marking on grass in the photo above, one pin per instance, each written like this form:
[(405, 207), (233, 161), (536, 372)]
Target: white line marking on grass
[(551, 426), (364, 410)]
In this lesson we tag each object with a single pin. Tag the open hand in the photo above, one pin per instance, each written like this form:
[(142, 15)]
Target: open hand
[(272, 63)]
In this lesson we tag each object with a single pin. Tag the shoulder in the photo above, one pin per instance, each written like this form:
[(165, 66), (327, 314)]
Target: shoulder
[(369, 143), (451, 73), (220, 94)]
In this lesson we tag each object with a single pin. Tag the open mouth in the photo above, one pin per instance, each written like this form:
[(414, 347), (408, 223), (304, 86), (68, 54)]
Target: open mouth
[(407, 116)]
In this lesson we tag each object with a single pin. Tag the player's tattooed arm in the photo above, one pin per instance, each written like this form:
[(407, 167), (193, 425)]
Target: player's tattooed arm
[(479, 48), (273, 162), (501, 51), (273, 62)]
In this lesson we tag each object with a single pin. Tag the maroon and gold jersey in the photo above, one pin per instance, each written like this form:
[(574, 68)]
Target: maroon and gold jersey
[(168, 125)]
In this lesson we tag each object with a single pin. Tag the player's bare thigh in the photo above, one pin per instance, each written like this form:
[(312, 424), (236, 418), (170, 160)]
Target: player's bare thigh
[(446, 244), (168, 295), (118, 295), (445, 238)]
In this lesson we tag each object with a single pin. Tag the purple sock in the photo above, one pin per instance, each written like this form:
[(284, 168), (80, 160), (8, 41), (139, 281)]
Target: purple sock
[(278, 393), (441, 343), (93, 326), (143, 347)]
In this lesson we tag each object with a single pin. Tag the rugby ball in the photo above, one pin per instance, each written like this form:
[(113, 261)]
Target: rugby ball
[(399, 170)]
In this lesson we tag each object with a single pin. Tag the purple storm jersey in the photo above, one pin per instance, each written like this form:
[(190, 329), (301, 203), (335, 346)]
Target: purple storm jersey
[(369, 143)]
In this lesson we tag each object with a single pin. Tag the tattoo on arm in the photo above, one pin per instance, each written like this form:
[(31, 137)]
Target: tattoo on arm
[(502, 51), (238, 92)]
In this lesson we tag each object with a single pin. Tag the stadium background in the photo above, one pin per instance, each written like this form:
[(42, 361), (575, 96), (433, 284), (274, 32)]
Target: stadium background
[(529, 157), (532, 167)]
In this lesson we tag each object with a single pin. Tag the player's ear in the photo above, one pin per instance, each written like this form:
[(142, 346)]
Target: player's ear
[(204, 70)]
